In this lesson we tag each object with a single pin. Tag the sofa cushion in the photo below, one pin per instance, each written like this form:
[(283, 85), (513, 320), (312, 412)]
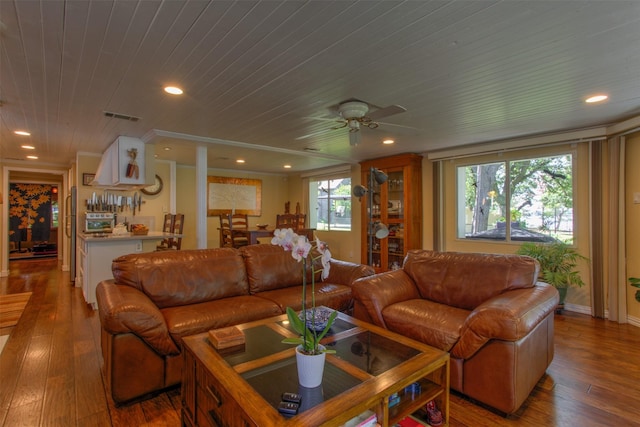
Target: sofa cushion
[(434, 324), (270, 267), (172, 278), (330, 295), (196, 318), (466, 280)]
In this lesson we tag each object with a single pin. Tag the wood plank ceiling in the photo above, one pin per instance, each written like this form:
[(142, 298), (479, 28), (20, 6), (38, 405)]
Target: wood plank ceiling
[(258, 74)]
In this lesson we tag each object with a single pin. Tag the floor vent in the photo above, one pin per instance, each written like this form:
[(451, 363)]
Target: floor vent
[(121, 116)]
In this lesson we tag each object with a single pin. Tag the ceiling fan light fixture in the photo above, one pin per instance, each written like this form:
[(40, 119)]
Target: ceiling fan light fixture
[(354, 137), (353, 109)]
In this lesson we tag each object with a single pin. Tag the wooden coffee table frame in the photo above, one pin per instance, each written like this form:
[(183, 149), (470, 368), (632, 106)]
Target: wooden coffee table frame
[(215, 394)]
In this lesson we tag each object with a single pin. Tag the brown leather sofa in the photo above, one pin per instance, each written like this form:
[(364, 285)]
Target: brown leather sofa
[(157, 298), (488, 311)]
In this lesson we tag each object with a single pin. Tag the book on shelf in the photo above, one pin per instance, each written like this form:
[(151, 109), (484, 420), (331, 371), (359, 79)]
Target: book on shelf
[(411, 421), (367, 419)]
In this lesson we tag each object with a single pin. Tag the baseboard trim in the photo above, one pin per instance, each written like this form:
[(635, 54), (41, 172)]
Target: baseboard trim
[(635, 321), (583, 309)]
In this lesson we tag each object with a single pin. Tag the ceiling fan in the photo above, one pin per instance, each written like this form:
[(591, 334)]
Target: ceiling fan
[(354, 116)]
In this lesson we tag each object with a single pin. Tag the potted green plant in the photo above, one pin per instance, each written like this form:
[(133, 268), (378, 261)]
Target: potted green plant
[(310, 354), (635, 281), (558, 262)]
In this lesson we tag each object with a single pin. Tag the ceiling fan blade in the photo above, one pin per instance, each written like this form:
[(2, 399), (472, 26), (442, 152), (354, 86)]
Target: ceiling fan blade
[(325, 119), (320, 132), (385, 124), (386, 112)]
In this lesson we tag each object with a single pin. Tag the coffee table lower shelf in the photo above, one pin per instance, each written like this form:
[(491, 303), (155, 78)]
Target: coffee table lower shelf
[(242, 390)]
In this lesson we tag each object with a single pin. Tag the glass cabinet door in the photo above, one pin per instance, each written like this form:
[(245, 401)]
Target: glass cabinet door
[(396, 204), (395, 219), (376, 217)]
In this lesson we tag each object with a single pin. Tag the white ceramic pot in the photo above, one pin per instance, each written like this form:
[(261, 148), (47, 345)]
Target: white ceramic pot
[(310, 368)]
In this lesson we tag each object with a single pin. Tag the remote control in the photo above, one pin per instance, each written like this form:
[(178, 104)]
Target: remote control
[(288, 408), (291, 397)]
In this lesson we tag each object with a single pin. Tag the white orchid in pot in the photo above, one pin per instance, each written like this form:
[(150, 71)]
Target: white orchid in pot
[(308, 341)]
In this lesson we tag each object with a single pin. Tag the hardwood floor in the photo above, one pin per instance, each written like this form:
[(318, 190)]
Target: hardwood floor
[(50, 369)]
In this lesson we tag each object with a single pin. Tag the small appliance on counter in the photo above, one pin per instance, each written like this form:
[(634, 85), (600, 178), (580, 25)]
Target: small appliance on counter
[(99, 222)]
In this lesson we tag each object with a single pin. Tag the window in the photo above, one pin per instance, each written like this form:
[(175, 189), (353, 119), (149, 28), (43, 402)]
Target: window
[(332, 201), (517, 200)]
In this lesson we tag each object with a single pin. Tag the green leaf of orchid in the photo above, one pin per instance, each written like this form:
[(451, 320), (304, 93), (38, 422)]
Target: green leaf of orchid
[(332, 318), (297, 323)]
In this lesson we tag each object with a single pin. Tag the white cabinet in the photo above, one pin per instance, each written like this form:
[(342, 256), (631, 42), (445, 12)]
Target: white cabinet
[(95, 262), (128, 162), (95, 254)]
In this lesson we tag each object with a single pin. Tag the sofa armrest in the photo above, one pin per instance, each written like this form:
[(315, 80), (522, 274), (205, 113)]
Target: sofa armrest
[(509, 316), (345, 273), (124, 309), (372, 294)]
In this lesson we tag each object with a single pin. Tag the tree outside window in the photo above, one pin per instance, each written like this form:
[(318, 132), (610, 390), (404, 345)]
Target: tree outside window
[(332, 200), (532, 202)]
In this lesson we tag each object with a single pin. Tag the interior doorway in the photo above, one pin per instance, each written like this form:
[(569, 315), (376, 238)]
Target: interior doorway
[(33, 220), (33, 216)]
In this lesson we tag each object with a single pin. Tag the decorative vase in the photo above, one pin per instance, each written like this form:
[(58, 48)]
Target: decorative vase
[(563, 295), (321, 318), (310, 367)]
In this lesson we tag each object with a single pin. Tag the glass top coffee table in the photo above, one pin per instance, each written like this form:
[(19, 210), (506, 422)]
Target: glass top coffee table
[(372, 370)]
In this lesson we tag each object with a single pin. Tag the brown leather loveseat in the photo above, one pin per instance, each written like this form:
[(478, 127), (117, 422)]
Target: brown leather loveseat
[(487, 310), (157, 298)]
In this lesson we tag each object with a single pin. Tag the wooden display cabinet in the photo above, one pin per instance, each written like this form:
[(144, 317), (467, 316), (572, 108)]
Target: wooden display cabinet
[(397, 203)]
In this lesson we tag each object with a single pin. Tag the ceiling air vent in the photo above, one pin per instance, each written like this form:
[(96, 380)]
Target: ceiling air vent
[(121, 116)]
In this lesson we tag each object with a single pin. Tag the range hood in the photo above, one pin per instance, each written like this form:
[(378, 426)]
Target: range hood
[(128, 164)]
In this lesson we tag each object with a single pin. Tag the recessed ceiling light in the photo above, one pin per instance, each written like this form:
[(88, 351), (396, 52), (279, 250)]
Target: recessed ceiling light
[(287, 166), (28, 147), (596, 98), (32, 157), (240, 161), (173, 90), (22, 133), (167, 148), (388, 141)]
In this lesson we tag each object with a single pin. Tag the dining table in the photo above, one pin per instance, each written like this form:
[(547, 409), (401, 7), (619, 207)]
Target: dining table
[(254, 233)]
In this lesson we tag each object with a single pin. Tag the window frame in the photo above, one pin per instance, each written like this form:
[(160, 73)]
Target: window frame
[(314, 200), (506, 161)]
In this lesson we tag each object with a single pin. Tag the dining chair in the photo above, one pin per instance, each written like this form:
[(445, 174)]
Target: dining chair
[(167, 227), (288, 221), (178, 225), (233, 230), (172, 224)]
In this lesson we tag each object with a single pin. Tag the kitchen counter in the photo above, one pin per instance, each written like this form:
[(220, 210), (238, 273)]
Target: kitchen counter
[(153, 235), (97, 250)]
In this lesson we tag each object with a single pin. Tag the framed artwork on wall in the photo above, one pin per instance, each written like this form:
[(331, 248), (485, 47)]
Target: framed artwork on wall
[(237, 195), (87, 178)]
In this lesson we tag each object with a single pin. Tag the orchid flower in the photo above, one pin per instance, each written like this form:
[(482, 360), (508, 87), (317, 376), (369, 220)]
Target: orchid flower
[(300, 248), (323, 248)]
